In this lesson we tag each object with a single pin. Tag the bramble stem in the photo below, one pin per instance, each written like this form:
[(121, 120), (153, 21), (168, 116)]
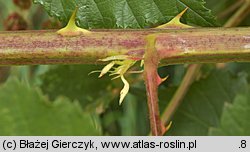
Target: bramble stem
[(173, 46), (170, 46), (151, 61)]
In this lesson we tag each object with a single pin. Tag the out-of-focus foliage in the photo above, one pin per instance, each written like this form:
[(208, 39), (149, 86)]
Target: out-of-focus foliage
[(204, 103), (235, 116), (94, 94), (65, 100), (25, 111)]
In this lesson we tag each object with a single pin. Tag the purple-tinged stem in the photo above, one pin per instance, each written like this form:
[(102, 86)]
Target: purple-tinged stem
[(151, 61), (173, 46)]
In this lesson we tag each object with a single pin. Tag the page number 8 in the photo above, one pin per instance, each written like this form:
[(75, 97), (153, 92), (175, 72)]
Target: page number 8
[(243, 144)]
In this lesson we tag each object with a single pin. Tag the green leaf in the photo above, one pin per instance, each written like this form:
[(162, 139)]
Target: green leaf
[(25, 111), (74, 82), (203, 104), (234, 121), (128, 13)]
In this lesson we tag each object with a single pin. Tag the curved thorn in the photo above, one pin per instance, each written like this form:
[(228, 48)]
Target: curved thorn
[(166, 129), (71, 28), (161, 80), (175, 22)]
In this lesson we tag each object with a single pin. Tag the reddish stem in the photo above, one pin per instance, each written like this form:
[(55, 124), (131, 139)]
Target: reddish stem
[(151, 80), (174, 46)]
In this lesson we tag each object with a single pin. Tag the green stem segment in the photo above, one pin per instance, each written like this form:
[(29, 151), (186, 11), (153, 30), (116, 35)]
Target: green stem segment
[(173, 46), (168, 46), (151, 61)]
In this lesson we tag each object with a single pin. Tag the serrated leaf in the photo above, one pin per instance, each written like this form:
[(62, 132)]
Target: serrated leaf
[(28, 112), (203, 104), (235, 117), (128, 13)]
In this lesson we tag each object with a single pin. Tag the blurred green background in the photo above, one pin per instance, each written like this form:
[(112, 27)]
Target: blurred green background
[(65, 100)]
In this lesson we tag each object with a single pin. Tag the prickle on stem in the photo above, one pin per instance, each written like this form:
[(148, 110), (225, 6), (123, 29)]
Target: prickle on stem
[(175, 22), (71, 28)]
